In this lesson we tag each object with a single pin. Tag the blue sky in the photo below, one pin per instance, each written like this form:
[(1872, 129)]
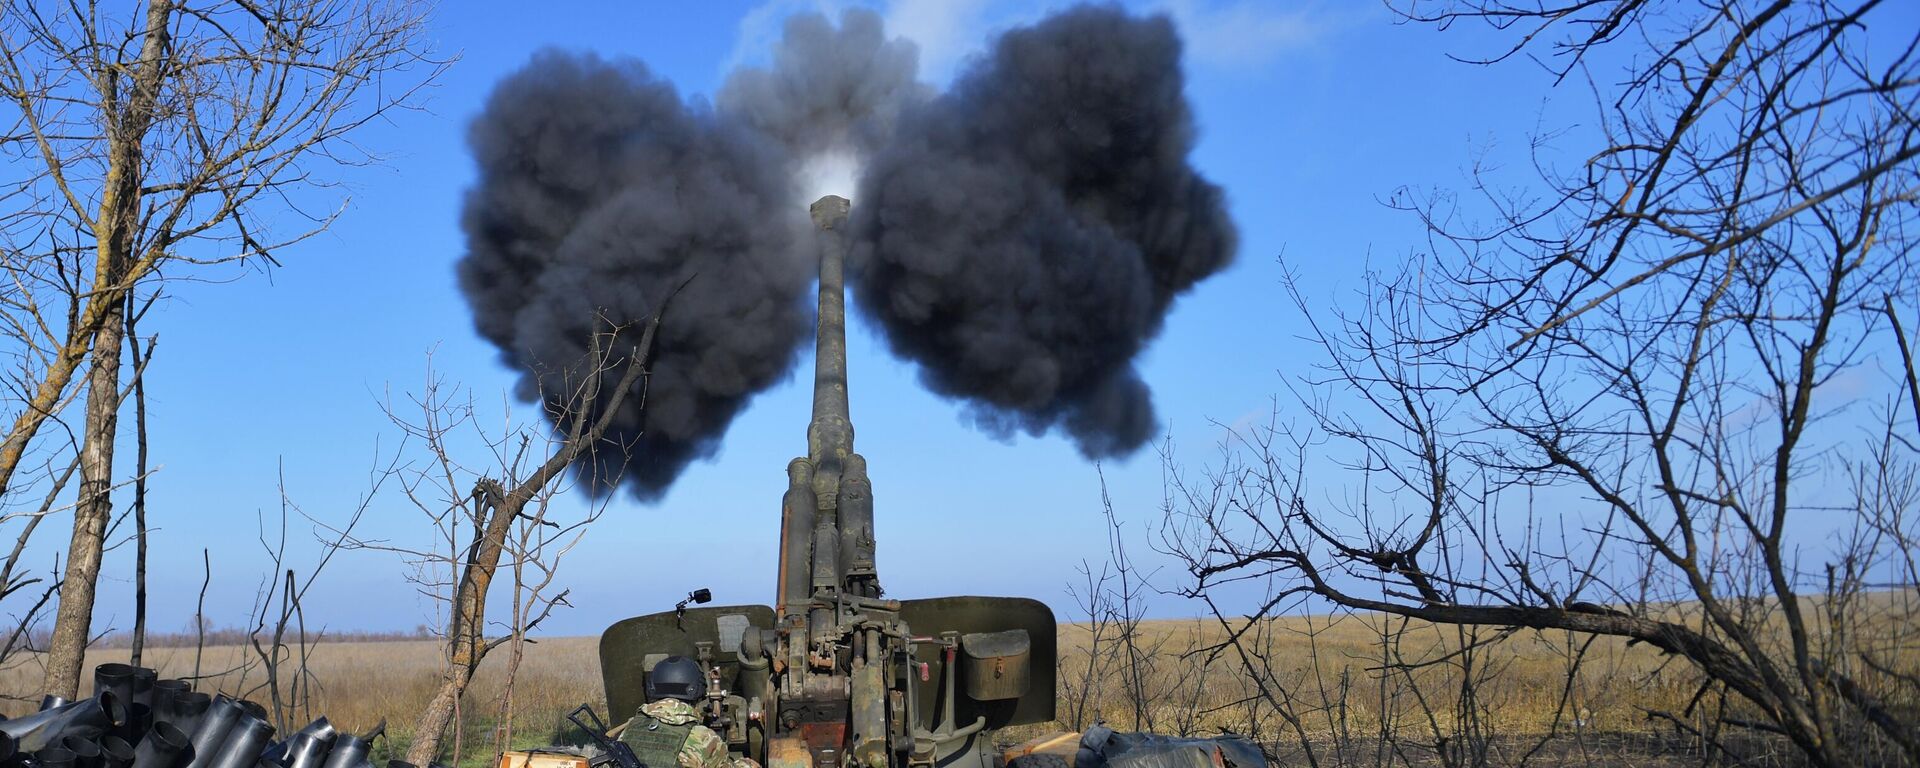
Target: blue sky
[(1310, 113)]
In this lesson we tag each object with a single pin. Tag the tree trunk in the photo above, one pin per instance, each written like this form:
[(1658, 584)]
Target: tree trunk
[(139, 487), (437, 715), (467, 642), (73, 624), (114, 232), (497, 508)]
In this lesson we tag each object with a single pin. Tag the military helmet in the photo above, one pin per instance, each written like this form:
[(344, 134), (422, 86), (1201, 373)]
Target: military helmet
[(676, 677)]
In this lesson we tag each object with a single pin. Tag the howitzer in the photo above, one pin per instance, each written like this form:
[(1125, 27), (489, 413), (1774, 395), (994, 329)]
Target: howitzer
[(834, 674)]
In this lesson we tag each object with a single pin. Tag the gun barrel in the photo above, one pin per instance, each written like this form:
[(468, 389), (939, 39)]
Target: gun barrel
[(830, 436), (826, 533)]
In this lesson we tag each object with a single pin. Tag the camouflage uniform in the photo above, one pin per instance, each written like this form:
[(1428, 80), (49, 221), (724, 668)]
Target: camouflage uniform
[(701, 747)]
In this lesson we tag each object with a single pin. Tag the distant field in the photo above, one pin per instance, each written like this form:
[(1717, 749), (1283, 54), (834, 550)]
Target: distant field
[(1328, 668)]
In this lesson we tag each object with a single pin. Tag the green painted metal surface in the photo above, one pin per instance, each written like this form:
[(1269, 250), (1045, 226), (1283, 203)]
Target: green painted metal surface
[(625, 646)]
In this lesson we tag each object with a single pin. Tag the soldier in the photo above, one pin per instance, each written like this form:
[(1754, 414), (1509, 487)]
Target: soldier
[(667, 730)]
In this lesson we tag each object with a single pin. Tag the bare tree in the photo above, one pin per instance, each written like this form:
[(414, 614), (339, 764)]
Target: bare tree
[(1083, 672), (157, 139), (279, 637), (1664, 396), (496, 514), (1123, 660)]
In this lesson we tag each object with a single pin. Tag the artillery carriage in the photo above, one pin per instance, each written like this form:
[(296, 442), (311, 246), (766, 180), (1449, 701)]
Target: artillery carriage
[(836, 674)]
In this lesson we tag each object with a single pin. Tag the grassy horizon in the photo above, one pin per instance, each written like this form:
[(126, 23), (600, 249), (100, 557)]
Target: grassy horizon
[(1329, 669)]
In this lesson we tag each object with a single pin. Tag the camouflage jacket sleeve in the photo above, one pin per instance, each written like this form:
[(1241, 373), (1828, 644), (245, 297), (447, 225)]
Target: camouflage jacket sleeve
[(704, 749)]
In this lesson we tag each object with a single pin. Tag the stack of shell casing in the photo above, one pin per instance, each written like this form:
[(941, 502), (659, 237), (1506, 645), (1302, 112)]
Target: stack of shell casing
[(135, 720)]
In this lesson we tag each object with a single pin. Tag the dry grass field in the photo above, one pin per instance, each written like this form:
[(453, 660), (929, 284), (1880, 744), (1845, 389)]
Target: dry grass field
[(1327, 672), (357, 684), (1334, 666)]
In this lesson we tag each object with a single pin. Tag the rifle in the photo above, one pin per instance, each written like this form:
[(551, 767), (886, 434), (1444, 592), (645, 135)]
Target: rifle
[(614, 751)]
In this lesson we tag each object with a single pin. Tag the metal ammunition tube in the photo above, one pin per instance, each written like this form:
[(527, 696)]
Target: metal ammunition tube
[(252, 708), (213, 729), (348, 752), (185, 710), (86, 754), (306, 750), (115, 752), (320, 732), (321, 728), (164, 747), (85, 732), (140, 686), (51, 701), (164, 692), (112, 676), (55, 757), (245, 741), (42, 729), (139, 719)]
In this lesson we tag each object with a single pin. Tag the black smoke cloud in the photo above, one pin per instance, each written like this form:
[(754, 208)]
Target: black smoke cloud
[(830, 88), (1022, 236), (600, 190)]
